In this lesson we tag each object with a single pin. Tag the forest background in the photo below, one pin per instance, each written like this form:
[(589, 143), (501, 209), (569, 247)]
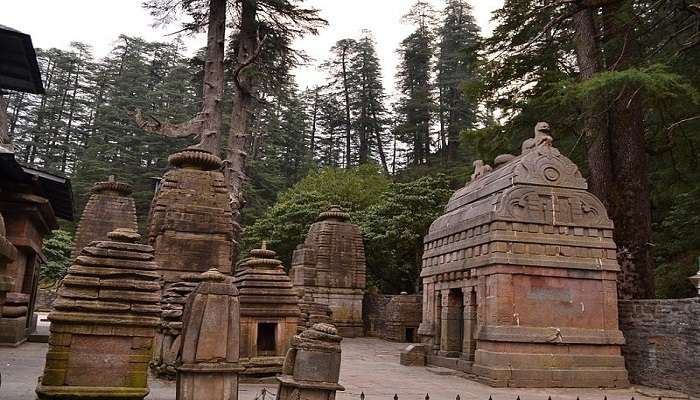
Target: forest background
[(393, 161)]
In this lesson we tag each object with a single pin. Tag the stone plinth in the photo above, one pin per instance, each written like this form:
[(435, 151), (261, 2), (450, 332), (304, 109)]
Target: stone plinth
[(330, 265), (191, 225), (166, 349), (109, 207), (312, 366), (269, 312), (28, 219), (519, 276), (103, 323), (210, 341)]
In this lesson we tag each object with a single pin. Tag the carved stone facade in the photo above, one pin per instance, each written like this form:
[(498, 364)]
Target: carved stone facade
[(28, 219), (191, 225), (269, 312), (330, 265), (519, 277), (8, 253), (312, 366), (109, 207), (210, 341), (103, 323), (168, 341)]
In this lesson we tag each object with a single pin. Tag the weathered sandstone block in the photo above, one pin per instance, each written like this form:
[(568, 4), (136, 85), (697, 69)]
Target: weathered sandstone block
[(312, 366)]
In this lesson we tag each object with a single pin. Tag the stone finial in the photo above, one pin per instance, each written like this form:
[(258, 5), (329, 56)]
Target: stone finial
[(112, 186), (195, 159), (124, 235), (212, 275), (542, 137), (261, 258), (334, 212), (480, 169)]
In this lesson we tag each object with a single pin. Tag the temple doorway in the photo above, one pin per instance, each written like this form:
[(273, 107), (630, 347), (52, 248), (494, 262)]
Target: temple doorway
[(455, 322), (267, 332)]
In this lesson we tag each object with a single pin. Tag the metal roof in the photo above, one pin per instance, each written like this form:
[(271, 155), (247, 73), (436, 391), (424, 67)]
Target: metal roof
[(19, 69)]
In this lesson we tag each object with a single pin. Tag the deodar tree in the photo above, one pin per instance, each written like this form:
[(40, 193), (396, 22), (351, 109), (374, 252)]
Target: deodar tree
[(613, 70)]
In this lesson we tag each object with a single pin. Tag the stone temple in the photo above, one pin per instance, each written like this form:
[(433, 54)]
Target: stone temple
[(109, 207), (269, 312), (519, 277), (330, 266), (190, 223)]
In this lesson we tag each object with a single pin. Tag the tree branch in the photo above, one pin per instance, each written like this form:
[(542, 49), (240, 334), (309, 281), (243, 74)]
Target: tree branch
[(167, 129)]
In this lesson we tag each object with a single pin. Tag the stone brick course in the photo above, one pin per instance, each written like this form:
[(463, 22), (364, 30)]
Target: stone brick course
[(662, 343)]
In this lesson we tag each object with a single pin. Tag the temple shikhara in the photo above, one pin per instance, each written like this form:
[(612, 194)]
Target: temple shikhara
[(330, 267), (519, 276)]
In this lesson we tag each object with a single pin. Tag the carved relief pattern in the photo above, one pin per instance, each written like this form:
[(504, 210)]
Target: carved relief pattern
[(561, 207), (545, 165)]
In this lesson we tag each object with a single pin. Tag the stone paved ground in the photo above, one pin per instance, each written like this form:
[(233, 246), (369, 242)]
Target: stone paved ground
[(369, 365)]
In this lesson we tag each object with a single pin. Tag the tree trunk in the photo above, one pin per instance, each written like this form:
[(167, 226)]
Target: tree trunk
[(314, 117), (630, 202), (347, 109), (239, 136), (4, 125), (595, 128), (213, 93)]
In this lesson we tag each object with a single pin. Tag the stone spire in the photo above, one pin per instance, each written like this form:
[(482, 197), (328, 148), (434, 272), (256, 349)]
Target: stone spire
[(103, 322), (330, 266), (109, 207), (190, 224), (269, 311)]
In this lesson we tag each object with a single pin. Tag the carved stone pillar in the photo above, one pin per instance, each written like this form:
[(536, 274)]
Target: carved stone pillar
[(8, 253), (469, 340), (210, 341), (444, 320)]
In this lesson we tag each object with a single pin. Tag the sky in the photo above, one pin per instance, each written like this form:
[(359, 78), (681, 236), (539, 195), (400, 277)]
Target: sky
[(56, 23)]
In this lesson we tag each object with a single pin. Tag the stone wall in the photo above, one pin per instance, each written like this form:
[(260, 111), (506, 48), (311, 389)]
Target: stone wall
[(662, 343), (392, 317)]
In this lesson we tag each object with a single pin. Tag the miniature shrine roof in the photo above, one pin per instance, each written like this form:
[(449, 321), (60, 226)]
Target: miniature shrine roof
[(19, 69)]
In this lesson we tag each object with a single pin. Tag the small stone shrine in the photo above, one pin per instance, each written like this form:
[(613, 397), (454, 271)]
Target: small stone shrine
[(330, 265), (312, 366), (393, 317), (269, 312), (103, 323), (210, 341), (166, 348), (109, 207), (191, 225), (519, 276)]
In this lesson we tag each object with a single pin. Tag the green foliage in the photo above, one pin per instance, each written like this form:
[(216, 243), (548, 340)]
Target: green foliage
[(57, 248), (393, 230), (285, 224), (393, 218), (656, 83)]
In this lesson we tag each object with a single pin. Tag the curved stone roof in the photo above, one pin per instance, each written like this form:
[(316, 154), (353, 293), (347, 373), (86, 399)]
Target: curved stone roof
[(264, 287)]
